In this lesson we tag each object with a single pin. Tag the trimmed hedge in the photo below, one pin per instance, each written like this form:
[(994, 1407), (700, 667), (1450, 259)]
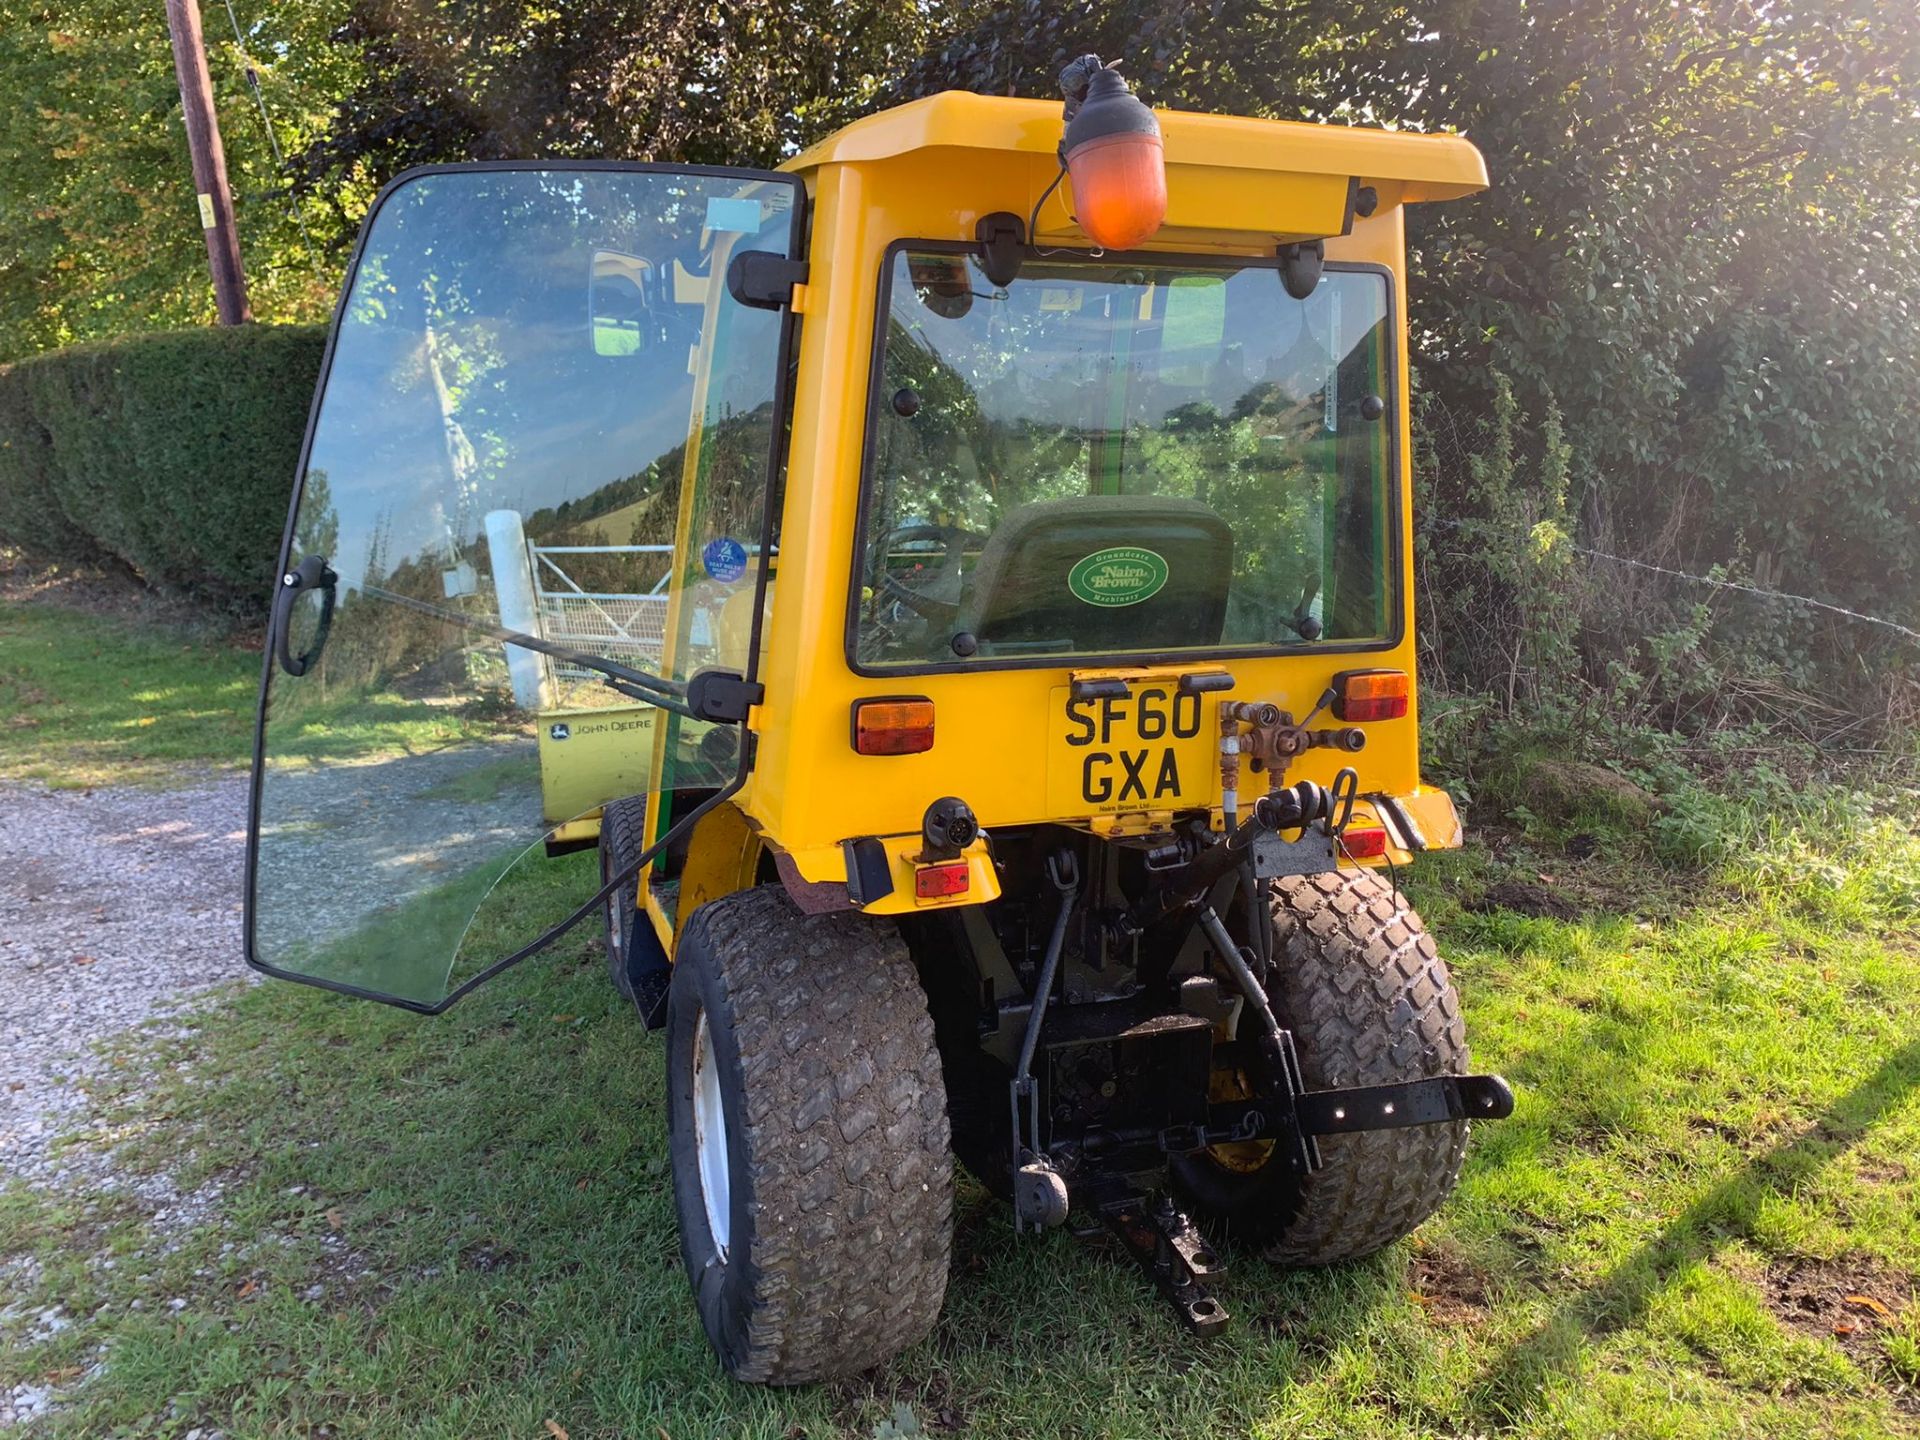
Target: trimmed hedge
[(173, 453), (30, 513)]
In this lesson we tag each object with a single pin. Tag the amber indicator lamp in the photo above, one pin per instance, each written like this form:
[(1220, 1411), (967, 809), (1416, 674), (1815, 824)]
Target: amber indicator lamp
[(1114, 157), (1363, 695), (893, 726)]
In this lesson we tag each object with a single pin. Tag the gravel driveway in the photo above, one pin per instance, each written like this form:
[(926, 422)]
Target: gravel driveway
[(120, 905), (115, 906)]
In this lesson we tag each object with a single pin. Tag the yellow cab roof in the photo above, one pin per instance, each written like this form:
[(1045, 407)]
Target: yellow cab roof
[(1419, 167)]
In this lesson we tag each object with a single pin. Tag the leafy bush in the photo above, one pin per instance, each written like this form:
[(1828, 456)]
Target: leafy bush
[(1674, 338), (173, 453)]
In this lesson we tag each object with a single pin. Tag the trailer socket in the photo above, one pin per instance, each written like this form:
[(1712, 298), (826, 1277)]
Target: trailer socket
[(948, 827)]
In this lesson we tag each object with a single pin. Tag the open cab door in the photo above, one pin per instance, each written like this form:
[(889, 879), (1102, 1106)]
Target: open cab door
[(533, 499)]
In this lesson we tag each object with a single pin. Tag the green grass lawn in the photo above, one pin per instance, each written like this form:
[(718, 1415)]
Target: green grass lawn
[(88, 700), (462, 1226)]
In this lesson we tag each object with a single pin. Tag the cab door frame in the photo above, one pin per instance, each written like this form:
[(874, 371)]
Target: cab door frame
[(773, 495)]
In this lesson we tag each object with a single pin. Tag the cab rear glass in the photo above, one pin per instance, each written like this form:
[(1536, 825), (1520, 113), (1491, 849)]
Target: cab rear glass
[(1124, 458)]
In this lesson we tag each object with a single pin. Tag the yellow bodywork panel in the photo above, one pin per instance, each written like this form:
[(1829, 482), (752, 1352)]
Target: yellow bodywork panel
[(1434, 817), (581, 830), (1421, 167), (1232, 182), (724, 856), (827, 865)]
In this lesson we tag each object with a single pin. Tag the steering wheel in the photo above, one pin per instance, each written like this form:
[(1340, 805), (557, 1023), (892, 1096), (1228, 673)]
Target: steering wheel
[(927, 599)]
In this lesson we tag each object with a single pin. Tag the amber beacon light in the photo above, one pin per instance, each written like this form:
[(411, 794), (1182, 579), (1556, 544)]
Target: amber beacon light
[(1114, 157)]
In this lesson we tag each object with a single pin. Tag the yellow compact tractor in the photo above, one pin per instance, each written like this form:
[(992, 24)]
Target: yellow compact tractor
[(959, 581)]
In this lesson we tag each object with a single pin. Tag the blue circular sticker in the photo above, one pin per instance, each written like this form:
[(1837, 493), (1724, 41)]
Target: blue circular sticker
[(725, 559)]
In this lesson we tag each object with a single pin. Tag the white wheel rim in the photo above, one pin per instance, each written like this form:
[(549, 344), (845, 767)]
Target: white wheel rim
[(613, 910), (614, 937), (710, 1136)]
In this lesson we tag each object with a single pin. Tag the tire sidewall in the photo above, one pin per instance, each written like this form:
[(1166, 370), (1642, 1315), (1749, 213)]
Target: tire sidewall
[(1264, 1205), (621, 908), (722, 1289)]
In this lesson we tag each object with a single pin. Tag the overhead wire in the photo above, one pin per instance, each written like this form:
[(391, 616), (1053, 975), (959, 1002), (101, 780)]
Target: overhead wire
[(1718, 583), (266, 123)]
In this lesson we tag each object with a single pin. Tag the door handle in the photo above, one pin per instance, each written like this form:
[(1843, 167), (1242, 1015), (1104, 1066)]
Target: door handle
[(312, 573)]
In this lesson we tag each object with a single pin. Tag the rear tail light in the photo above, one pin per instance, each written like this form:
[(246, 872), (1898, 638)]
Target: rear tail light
[(1363, 842), (934, 882), (893, 727), (1362, 695)]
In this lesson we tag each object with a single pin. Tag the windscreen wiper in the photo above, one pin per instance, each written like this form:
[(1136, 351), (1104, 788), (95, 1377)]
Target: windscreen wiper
[(635, 684), (1303, 622)]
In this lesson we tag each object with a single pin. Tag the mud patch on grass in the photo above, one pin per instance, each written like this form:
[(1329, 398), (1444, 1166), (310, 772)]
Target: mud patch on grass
[(1523, 897), (1844, 1300), (1853, 1303), (1449, 1287), (1882, 1171)]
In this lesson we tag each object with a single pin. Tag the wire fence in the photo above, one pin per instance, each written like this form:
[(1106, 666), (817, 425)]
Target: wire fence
[(1717, 582), (1723, 584)]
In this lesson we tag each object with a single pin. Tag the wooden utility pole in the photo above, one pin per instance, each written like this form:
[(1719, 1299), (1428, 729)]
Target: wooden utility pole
[(209, 162)]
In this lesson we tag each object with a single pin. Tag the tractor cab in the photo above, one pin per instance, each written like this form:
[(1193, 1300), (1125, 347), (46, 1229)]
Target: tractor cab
[(956, 587)]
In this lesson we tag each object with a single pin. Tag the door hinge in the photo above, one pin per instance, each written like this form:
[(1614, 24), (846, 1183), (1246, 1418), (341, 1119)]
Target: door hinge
[(721, 695), (763, 279)]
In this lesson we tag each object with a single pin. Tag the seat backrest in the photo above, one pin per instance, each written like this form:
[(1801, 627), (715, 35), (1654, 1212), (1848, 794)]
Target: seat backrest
[(1101, 573)]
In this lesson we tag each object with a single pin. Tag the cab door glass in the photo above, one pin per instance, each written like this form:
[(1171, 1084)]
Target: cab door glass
[(542, 402)]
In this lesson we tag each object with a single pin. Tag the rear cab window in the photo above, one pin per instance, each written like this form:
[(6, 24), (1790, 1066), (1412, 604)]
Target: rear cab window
[(1123, 458)]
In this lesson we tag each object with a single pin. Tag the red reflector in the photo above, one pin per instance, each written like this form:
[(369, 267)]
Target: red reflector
[(892, 727), (1389, 707), (1364, 843), (930, 882), (1361, 695)]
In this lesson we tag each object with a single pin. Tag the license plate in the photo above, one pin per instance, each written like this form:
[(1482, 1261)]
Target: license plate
[(1148, 750)]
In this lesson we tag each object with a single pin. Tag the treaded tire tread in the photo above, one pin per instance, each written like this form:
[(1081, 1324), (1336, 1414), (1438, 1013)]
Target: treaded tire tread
[(623, 835), (842, 1259), (1360, 983)]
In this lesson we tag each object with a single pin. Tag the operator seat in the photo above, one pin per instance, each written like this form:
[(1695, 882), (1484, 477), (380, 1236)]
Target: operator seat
[(1019, 600)]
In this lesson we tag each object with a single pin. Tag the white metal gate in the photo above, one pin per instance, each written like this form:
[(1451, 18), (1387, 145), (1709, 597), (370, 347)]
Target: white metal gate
[(629, 626)]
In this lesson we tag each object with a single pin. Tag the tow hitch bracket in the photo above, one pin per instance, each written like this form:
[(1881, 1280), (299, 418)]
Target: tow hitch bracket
[(1395, 1107), (1166, 1245)]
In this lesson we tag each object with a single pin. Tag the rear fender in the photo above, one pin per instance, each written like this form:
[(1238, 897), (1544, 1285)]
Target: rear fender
[(882, 870)]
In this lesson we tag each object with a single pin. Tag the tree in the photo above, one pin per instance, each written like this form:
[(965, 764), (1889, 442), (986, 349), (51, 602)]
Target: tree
[(96, 196), (742, 84)]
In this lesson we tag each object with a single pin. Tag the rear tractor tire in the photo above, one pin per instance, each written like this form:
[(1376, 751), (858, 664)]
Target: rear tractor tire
[(1358, 981), (807, 1123)]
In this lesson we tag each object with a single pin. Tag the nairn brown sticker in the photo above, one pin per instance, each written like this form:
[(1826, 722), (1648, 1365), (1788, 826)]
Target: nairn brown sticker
[(1118, 575)]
